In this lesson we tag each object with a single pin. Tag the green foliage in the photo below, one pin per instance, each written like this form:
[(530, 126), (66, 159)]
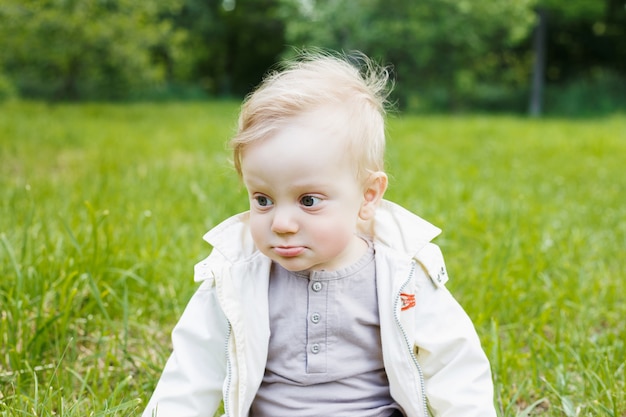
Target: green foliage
[(455, 55), (441, 50), (76, 49), (575, 9), (233, 42), (7, 90), (102, 209), (447, 55), (599, 93)]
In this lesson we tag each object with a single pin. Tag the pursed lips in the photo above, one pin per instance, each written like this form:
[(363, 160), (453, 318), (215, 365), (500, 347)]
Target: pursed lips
[(288, 251)]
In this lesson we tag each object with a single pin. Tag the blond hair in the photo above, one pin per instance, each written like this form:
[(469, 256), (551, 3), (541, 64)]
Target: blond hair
[(316, 80)]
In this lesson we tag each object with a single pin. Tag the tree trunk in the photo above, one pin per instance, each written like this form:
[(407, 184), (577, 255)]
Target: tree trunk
[(539, 66)]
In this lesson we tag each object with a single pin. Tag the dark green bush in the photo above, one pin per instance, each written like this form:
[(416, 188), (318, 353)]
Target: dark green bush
[(603, 92)]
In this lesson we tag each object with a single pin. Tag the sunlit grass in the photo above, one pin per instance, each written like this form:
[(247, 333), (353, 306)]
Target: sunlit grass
[(102, 209)]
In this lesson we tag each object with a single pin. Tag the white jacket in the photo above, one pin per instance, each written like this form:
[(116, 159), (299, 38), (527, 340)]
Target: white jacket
[(431, 352)]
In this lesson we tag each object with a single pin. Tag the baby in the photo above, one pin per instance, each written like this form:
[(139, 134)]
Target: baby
[(323, 299)]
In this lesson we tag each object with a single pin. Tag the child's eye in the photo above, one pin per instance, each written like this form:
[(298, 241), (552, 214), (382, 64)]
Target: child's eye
[(263, 201), (310, 201)]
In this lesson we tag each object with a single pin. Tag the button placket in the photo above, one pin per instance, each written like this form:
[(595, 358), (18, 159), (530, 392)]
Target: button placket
[(317, 331)]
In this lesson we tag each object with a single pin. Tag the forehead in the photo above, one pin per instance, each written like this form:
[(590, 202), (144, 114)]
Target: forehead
[(305, 147), (322, 129)]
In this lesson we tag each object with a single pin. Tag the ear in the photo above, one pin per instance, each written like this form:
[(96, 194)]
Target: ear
[(374, 189)]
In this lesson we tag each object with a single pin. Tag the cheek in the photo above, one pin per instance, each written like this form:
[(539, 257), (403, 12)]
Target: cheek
[(333, 234), (257, 229)]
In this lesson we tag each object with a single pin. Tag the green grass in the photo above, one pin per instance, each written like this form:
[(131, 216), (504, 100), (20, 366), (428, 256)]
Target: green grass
[(102, 210)]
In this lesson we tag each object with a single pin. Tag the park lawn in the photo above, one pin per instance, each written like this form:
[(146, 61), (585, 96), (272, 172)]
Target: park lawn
[(102, 210)]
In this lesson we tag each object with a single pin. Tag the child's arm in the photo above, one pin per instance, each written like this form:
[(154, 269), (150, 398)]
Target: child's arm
[(191, 383), (456, 370)]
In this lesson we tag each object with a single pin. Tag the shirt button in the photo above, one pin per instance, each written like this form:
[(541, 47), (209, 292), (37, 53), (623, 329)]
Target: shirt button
[(315, 348), (316, 317), (317, 286)]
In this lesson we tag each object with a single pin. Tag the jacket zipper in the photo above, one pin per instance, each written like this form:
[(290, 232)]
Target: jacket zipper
[(408, 343), (228, 373)]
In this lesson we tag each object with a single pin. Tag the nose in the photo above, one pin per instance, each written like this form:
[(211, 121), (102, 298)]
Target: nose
[(284, 221)]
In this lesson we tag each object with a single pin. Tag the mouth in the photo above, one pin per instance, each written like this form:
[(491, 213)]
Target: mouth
[(288, 251)]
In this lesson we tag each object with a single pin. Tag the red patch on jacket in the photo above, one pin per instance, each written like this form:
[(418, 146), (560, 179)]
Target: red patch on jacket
[(408, 300)]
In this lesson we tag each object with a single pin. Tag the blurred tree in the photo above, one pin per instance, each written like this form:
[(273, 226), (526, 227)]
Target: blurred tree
[(442, 49), (447, 54), (573, 41), (232, 42), (74, 49), (584, 35)]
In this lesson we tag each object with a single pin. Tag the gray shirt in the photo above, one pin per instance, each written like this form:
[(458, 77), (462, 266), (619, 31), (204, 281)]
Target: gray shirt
[(325, 355)]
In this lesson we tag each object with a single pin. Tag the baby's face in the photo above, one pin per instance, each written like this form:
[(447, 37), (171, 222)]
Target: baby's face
[(304, 197)]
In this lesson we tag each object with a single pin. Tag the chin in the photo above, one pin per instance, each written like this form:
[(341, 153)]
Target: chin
[(293, 267)]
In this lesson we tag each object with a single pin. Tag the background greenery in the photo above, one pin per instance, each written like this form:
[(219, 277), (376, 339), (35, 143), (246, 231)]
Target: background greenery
[(448, 55), (102, 210)]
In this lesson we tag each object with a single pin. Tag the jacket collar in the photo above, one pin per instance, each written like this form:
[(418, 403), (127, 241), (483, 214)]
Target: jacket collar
[(399, 229), (393, 226)]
